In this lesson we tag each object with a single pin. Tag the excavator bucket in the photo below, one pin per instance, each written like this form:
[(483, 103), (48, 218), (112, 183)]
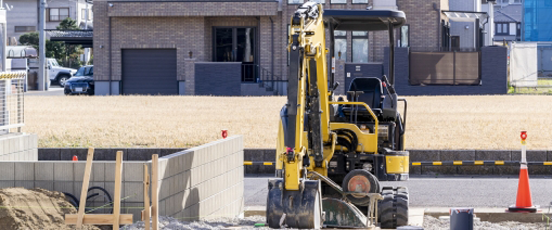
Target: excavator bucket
[(294, 209), (340, 214)]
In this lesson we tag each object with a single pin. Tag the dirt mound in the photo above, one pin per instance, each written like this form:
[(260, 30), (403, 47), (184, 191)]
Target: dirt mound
[(34, 209)]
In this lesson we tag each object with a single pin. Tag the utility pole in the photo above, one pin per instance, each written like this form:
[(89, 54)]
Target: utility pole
[(490, 33), (42, 47)]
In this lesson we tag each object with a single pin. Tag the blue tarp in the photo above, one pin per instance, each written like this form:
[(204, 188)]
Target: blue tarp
[(538, 20)]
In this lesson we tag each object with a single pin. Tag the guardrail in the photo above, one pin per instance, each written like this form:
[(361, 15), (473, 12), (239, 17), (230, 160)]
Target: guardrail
[(12, 101), (440, 163)]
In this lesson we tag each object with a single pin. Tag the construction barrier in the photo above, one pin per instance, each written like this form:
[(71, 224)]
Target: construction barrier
[(258, 163), (477, 163), (440, 163)]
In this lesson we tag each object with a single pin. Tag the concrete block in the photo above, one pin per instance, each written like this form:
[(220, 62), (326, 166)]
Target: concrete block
[(134, 191), (34, 154), (110, 171), (44, 171), (63, 171), (162, 170), (25, 184), (192, 213), (6, 146), (172, 167), (140, 154), (33, 143), (2, 152), (78, 170), (164, 189), (105, 154), (25, 171), (48, 185), (66, 186), (98, 172), (68, 153), (49, 154), (169, 151), (13, 145), (133, 171), (162, 207)]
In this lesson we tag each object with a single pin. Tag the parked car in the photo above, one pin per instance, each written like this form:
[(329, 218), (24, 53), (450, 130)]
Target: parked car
[(82, 82), (57, 73)]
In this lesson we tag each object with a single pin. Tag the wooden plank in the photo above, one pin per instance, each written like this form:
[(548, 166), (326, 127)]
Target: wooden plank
[(117, 196), (154, 189), (84, 190), (98, 219), (146, 215), (143, 214)]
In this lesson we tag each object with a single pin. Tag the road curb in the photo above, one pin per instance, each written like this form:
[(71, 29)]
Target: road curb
[(492, 215)]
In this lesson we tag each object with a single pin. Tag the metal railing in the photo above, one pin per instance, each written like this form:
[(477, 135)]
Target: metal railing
[(12, 101), (257, 74)]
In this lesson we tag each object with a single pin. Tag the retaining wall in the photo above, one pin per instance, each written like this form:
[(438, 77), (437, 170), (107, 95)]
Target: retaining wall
[(197, 183)]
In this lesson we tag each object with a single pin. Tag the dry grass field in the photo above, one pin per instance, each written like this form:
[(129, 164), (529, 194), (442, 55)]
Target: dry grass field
[(451, 122)]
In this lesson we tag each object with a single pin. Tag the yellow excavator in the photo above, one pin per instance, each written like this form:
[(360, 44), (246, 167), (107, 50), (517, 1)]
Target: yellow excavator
[(331, 154)]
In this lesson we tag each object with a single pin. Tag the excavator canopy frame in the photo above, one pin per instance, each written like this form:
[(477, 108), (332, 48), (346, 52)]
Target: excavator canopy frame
[(365, 20)]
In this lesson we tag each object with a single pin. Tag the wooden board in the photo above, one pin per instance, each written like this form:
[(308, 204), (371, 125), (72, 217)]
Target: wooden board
[(84, 189), (146, 213), (117, 196), (99, 219), (154, 189)]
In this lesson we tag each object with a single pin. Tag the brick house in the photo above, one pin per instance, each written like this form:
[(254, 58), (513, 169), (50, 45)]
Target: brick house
[(230, 47)]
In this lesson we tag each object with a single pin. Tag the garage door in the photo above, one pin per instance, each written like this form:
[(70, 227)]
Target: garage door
[(149, 71)]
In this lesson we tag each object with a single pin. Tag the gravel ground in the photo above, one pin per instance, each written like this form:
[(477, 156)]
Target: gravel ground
[(169, 223), (431, 223)]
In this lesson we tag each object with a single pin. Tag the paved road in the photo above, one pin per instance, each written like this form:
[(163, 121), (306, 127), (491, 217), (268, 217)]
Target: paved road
[(441, 192), (54, 90)]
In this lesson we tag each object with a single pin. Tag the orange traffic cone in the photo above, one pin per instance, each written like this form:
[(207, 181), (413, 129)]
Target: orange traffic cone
[(524, 203)]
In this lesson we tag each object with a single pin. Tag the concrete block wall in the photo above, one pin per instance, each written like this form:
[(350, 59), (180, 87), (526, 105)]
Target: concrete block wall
[(203, 182), (197, 183), (19, 147)]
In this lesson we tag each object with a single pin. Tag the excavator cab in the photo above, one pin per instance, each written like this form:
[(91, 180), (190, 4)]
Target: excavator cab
[(331, 155)]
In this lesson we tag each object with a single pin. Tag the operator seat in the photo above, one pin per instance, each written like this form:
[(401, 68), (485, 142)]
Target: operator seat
[(372, 92)]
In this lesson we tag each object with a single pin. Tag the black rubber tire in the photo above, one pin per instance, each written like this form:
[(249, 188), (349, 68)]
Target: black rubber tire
[(60, 80), (374, 186), (393, 209)]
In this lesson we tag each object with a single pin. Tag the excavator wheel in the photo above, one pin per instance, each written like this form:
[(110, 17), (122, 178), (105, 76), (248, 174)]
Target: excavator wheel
[(294, 209), (393, 209), (360, 180)]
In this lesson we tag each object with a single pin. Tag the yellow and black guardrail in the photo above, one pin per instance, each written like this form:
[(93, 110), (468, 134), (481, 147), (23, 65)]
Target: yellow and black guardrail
[(441, 163), (259, 163), (476, 163)]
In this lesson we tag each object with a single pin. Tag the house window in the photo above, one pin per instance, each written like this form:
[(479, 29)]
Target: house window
[(237, 44), (340, 44), (338, 1), (360, 1), (405, 36), (23, 29), (518, 30), (83, 14), (360, 46), (58, 14), (502, 28)]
